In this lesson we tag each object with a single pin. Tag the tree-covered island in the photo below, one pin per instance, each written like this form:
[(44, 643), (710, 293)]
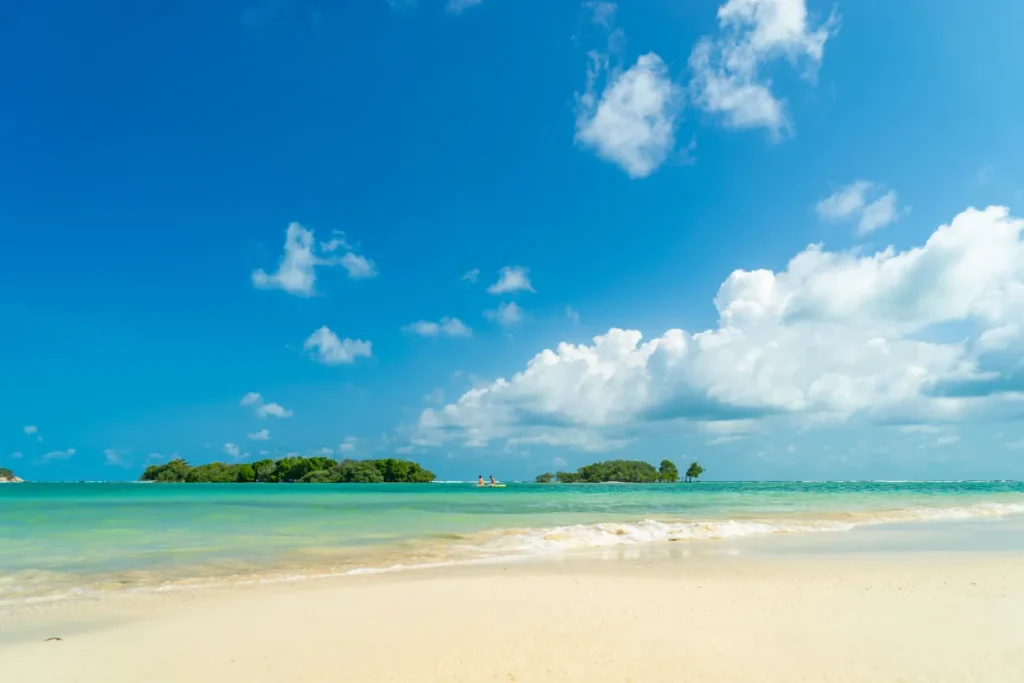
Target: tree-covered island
[(316, 470), (620, 471), (8, 477)]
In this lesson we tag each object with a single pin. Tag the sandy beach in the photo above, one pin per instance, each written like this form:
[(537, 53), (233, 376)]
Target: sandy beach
[(925, 617)]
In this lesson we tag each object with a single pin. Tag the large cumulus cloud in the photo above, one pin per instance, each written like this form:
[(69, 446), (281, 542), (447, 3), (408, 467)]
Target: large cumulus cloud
[(835, 334)]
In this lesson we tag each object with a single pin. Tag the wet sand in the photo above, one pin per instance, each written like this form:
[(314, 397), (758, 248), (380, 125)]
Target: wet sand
[(665, 614)]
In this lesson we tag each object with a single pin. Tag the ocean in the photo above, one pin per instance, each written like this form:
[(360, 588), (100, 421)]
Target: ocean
[(66, 540)]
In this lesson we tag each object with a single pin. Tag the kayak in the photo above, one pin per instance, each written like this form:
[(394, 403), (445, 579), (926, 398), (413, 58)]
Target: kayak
[(489, 486)]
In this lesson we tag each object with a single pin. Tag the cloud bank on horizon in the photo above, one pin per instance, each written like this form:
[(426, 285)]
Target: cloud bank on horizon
[(835, 336)]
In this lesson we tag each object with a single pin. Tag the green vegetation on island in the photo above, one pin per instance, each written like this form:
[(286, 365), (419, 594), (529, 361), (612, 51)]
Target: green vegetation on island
[(7, 476), (668, 472), (621, 471), (293, 469)]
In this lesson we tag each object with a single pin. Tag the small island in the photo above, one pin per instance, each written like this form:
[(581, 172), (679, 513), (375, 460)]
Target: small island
[(9, 477), (623, 472), (315, 470)]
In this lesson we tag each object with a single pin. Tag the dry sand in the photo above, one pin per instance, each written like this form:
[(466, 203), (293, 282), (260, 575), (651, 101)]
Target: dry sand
[(933, 619)]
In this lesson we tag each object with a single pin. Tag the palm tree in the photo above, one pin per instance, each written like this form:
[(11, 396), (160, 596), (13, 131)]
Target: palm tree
[(693, 472)]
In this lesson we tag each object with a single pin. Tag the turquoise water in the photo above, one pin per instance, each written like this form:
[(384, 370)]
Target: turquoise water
[(67, 539)]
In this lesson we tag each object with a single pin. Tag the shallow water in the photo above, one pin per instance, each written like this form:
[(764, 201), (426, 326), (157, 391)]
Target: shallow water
[(74, 539)]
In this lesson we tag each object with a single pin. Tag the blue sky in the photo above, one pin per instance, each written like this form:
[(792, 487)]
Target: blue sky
[(657, 168)]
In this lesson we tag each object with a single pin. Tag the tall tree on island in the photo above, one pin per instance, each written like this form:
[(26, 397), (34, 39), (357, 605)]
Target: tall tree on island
[(693, 472), (668, 472)]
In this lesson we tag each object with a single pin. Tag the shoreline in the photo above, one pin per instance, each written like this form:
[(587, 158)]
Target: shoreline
[(502, 545), (674, 615)]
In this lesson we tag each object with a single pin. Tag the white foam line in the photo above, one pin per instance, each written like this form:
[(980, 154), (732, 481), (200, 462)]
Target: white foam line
[(527, 543)]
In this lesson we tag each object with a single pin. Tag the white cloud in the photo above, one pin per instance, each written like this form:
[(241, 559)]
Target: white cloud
[(506, 315), (844, 202), (459, 6), (448, 327), (324, 452), (336, 242), (471, 276), (114, 456), (602, 12), (833, 336), (264, 452), (878, 213), (262, 408), (58, 455), (232, 450), (588, 440), (16, 455), (512, 279), (852, 201), (572, 315), (296, 270), (559, 462), (358, 267), (273, 410), (947, 440), (348, 445), (261, 435), (31, 429), (632, 123), (327, 348), (727, 78)]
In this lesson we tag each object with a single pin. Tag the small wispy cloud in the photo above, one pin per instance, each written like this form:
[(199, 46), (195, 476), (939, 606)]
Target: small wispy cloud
[(447, 327), (327, 348), (602, 12), (116, 456), (58, 455), (262, 408), (460, 6), (851, 201), (296, 269), (471, 276), (261, 435), (336, 242), (506, 315), (358, 267), (512, 279)]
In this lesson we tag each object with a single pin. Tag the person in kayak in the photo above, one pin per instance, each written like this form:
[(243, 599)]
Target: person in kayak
[(480, 480), (492, 480)]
